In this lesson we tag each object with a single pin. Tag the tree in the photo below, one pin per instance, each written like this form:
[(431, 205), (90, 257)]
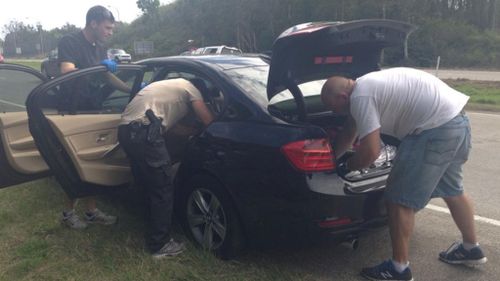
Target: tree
[(148, 7)]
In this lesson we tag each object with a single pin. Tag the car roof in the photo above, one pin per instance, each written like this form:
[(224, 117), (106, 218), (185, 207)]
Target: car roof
[(223, 62)]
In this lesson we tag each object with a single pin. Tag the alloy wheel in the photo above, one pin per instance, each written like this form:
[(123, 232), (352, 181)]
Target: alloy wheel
[(206, 218)]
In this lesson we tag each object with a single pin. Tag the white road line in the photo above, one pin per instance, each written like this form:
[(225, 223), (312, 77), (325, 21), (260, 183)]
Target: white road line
[(477, 218), (14, 104)]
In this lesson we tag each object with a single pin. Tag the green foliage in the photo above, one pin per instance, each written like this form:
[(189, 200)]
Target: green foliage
[(463, 32), (148, 6)]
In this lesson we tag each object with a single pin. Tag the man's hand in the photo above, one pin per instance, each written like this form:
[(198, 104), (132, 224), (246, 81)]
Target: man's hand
[(109, 64), (342, 168)]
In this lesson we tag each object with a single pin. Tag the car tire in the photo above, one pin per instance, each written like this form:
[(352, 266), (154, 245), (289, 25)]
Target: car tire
[(209, 217)]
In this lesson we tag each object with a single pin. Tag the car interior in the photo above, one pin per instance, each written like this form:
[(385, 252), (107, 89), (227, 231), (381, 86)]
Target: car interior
[(86, 123), (18, 144)]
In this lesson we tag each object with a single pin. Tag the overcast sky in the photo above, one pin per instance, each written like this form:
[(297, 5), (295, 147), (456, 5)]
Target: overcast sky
[(56, 13)]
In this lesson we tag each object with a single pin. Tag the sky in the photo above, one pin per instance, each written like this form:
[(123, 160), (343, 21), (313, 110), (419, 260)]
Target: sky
[(56, 13)]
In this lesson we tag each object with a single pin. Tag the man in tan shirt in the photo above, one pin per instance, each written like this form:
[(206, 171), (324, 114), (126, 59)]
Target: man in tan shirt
[(156, 109)]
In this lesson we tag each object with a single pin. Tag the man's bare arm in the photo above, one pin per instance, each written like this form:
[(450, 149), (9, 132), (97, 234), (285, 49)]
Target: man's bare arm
[(117, 83), (202, 112), (367, 152), (345, 138), (66, 67)]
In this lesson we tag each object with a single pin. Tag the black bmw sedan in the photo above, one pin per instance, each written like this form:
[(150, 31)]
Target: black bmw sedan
[(263, 170)]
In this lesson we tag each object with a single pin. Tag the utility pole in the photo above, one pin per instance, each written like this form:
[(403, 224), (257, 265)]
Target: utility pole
[(40, 31)]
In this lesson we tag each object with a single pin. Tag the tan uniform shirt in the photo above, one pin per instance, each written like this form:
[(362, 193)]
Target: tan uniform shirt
[(169, 99)]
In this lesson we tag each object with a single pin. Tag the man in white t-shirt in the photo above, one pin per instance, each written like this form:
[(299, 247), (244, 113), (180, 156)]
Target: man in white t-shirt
[(427, 116), (156, 109)]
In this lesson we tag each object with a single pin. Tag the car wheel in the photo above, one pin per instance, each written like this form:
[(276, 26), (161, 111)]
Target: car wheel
[(209, 217)]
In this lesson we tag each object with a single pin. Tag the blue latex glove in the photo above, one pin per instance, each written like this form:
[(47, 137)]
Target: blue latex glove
[(109, 64)]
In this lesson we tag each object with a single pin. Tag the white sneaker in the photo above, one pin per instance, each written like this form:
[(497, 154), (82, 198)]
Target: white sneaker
[(99, 217), (170, 249), (73, 221)]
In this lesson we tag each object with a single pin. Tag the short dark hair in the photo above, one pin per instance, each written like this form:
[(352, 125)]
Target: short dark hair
[(99, 14)]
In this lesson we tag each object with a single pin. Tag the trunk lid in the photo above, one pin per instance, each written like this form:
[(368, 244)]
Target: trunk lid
[(318, 50)]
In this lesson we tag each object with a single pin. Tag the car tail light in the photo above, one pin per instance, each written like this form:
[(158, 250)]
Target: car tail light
[(334, 222), (312, 155)]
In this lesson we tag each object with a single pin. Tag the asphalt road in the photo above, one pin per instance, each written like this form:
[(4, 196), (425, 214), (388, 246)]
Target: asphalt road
[(434, 230)]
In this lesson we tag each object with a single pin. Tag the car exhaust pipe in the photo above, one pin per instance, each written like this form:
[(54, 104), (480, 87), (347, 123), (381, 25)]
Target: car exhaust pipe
[(351, 242)]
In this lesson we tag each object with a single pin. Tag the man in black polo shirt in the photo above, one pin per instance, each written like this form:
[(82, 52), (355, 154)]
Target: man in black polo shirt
[(77, 51)]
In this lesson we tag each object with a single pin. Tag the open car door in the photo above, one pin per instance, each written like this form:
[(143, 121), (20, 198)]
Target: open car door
[(314, 51), (20, 160), (74, 120)]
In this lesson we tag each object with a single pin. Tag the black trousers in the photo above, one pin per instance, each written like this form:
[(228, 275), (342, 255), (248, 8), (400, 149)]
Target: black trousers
[(151, 168)]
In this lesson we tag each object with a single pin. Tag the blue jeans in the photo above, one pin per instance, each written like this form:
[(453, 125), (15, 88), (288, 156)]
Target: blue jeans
[(429, 164)]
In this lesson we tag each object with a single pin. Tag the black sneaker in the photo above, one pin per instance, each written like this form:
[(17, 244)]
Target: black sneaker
[(457, 254), (386, 271)]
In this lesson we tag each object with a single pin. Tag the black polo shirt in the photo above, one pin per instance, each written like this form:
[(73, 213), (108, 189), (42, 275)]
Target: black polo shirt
[(81, 93), (76, 49)]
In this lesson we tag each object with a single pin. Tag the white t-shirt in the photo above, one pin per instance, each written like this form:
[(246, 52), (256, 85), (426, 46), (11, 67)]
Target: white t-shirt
[(169, 99), (402, 101)]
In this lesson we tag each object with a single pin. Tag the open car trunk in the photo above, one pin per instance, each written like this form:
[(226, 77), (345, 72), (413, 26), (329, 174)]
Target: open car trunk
[(307, 54), (314, 51)]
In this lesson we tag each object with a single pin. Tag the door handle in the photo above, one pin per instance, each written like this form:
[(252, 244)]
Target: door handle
[(112, 150), (102, 138)]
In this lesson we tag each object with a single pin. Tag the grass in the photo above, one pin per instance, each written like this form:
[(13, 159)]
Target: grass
[(35, 246), (484, 95), (31, 63)]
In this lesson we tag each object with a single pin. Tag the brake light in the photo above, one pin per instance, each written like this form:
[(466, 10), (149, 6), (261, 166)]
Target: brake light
[(312, 155), (334, 222)]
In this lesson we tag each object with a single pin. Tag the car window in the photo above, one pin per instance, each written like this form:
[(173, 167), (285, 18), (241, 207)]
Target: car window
[(16, 86), (212, 95), (89, 94), (226, 50), (211, 51), (253, 80)]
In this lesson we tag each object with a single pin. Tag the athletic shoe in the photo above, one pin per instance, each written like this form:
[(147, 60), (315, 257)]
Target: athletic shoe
[(73, 221), (457, 254), (99, 217), (386, 271), (170, 249)]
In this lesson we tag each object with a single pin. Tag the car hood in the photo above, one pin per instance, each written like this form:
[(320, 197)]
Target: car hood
[(318, 50)]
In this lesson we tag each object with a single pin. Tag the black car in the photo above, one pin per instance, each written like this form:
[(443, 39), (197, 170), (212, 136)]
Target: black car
[(264, 169)]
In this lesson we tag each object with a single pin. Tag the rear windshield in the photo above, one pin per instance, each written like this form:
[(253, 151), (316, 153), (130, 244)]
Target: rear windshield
[(253, 80)]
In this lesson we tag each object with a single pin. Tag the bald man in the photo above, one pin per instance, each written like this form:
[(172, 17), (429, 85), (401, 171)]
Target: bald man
[(427, 116)]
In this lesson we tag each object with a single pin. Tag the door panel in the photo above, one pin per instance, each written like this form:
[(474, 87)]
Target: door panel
[(91, 141), (19, 145), (20, 160)]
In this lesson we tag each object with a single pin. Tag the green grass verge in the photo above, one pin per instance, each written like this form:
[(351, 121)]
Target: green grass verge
[(35, 246), (31, 63), (484, 95)]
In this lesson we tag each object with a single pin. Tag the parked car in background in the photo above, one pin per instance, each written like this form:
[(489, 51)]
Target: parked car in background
[(50, 65), (264, 170), (215, 50), (119, 56)]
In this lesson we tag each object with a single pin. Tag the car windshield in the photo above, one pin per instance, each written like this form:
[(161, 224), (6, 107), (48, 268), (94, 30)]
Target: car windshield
[(253, 80)]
